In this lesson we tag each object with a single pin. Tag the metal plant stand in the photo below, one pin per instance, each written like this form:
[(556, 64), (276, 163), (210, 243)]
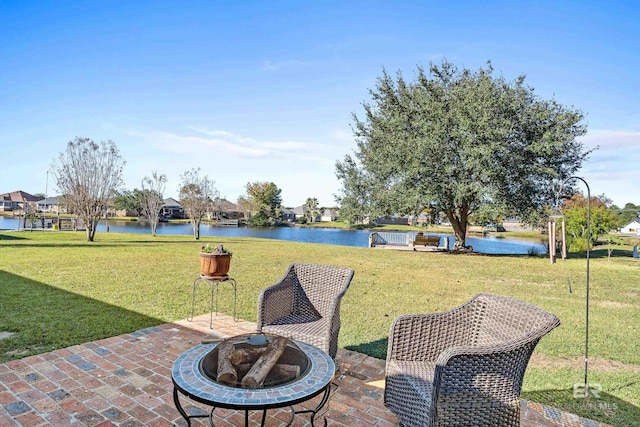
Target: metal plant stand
[(215, 282)]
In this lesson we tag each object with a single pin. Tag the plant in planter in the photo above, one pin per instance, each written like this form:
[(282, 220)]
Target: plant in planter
[(214, 261)]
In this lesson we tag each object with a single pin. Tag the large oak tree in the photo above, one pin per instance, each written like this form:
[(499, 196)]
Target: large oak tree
[(452, 140)]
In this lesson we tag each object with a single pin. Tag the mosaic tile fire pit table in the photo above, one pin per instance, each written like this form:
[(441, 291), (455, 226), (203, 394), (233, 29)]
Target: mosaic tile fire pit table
[(196, 375)]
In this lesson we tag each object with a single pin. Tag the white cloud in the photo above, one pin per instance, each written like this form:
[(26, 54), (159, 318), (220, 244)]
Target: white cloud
[(613, 168), (195, 145), (299, 168), (201, 143), (616, 150), (611, 139), (232, 144)]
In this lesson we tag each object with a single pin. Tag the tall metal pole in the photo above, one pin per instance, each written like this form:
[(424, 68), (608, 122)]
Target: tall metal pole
[(46, 190), (586, 342)]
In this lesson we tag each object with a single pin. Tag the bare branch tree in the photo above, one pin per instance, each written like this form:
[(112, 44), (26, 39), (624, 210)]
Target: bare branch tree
[(247, 206), (88, 175), (151, 198), (196, 196)]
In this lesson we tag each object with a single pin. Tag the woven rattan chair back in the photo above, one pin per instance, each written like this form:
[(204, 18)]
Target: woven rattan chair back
[(465, 366), (305, 304)]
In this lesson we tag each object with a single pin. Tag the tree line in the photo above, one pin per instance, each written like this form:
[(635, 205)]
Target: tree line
[(89, 175)]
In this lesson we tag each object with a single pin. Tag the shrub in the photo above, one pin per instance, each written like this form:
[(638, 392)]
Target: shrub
[(533, 251)]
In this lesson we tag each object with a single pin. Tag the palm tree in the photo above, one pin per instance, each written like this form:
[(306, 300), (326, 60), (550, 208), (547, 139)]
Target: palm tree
[(312, 206)]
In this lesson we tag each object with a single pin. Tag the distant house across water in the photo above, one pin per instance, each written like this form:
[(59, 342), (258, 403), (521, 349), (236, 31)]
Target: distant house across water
[(328, 215), (514, 224), (224, 209), (172, 209), (51, 204), (18, 201), (631, 228), (288, 214), (394, 220)]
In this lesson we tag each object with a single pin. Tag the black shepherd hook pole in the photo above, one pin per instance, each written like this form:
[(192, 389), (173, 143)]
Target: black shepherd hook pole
[(586, 341)]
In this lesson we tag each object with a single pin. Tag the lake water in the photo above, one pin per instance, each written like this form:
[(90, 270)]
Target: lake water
[(492, 244)]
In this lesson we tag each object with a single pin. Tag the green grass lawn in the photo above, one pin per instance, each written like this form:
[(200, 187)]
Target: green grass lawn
[(58, 290)]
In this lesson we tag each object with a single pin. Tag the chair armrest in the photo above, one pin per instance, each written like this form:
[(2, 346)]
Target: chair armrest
[(275, 302), (333, 308), (490, 371), (334, 314), (422, 337)]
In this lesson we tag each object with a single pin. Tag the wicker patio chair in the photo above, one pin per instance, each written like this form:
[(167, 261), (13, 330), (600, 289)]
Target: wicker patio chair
[(305, 305), (463, 367)]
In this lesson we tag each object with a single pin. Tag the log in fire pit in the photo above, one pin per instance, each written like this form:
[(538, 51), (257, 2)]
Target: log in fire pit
[(299, 374), (255, 361)]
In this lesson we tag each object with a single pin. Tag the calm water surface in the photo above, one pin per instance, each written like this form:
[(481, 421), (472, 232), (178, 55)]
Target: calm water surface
[(493, 244)]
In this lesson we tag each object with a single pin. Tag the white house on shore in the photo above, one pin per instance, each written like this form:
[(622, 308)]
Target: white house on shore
[(632, 228), (303, 211), (328, 215), (52, 204)]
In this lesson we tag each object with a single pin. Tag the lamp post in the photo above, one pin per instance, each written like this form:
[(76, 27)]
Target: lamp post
[(586, 342)]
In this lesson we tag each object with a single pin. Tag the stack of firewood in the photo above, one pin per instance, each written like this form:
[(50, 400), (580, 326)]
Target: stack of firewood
[(255, 367)]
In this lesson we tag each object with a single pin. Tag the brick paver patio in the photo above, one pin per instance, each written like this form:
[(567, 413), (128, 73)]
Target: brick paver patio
[(126, 381)]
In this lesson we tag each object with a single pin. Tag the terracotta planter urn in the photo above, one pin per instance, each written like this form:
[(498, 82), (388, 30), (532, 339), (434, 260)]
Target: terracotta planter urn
[(214, 262)]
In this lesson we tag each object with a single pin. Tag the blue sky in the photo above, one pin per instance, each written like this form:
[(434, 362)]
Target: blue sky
[(264, 90)]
